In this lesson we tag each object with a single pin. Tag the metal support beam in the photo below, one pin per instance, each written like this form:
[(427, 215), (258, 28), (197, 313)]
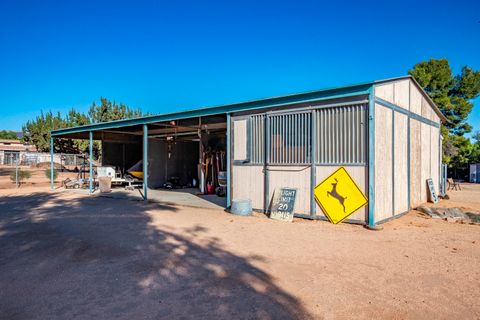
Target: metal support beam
[(322, 95), (229, 169), (409, 164), (145, 161), (393, 162), (266, 200), (313, 158), (91, 161), (52, 187), (440, 152), (371, 158)]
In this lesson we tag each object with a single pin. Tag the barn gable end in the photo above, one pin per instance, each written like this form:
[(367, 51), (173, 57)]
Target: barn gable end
[(408, 151)]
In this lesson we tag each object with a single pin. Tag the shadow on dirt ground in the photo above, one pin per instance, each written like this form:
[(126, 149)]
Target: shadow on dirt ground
[(80, 258)]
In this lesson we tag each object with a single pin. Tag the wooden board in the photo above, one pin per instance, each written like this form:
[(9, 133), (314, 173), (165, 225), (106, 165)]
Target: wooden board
[(401, 163), (415, 162), (432, 193), (435, 117), (295, 177), (240, 139), (426, 164), (435, 156), (283, 204), (385, 92), (402, 93), (383, 163), (415, 99), (247, 183), (426, 109)]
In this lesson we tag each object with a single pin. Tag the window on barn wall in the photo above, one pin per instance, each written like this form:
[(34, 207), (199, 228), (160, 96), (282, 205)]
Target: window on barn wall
[(341, 135), (257, 139), (240, 136), (290, 138)]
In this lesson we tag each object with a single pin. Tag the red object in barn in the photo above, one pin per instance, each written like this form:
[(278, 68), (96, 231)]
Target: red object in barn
[(210, 189)]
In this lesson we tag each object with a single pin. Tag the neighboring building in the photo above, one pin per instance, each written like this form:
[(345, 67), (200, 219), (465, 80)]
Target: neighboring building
[(475, 173), (11, 151), (385, 133)]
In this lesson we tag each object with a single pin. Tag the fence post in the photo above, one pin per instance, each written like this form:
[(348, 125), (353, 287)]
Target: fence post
[(51, 163), (91, 159), (229, 171)]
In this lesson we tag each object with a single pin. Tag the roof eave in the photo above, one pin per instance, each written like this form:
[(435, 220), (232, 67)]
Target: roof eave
[(326, 94)]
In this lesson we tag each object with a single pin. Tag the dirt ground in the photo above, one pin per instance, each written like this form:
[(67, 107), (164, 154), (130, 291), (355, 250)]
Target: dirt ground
[(71, 256), (37, 179)]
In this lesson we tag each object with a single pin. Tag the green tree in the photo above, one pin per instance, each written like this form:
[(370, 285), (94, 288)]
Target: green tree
[(453, 94), (110, 111), (37, 131), (8, 135)]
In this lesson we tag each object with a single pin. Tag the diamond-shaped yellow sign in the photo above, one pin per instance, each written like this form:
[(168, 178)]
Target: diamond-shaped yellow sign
[(339, 196)]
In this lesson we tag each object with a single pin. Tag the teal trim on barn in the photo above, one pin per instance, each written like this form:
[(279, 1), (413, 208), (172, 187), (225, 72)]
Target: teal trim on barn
[(318, 131), (324, 94)]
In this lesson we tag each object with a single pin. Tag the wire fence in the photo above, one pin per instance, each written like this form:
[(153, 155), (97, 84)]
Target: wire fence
[(27, 176), (34, 159)]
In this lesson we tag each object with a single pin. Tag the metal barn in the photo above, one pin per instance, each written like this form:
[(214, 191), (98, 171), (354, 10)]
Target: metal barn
[(385, 133)]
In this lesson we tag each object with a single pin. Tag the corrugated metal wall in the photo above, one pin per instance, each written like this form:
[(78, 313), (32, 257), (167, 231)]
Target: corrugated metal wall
[(290, 136), (286, 138), (258, 139), (340, 136)]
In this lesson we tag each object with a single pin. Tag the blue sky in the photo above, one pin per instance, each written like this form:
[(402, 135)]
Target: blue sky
[(163, 56)]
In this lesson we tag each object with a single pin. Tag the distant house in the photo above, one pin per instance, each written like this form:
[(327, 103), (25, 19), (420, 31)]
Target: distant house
[(13, 150), (475, 172)]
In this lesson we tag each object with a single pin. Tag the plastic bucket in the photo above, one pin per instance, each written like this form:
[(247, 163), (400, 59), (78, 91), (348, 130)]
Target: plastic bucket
[(210, 189), (105, 184), (222, 178), (241, 207)]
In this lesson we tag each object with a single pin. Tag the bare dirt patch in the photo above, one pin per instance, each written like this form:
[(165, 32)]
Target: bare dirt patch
[(38, 178), (70, 256)]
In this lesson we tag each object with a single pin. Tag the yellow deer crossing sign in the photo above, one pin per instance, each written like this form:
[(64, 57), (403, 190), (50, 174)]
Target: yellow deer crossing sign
[(339, 196)]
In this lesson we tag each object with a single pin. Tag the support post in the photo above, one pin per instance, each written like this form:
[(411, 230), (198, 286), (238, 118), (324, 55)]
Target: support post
[(229, 169), (371, 158), (145, 161), (91, 161), (393, 162), (266, 181), (52, 187), (313, 158), (16, 175), (408, 164)]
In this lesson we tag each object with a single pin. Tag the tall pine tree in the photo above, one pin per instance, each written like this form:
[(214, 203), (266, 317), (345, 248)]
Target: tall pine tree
[(453, 94)]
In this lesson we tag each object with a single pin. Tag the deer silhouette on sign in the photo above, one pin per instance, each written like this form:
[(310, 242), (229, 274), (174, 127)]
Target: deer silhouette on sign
[(335, 194)]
